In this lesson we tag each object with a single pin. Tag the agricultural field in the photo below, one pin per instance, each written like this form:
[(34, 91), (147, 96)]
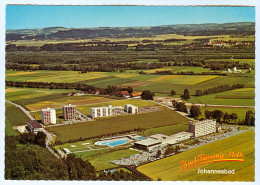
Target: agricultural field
[(117, 124), (168, 169), (239, 97), (242, 61), (10, 120)]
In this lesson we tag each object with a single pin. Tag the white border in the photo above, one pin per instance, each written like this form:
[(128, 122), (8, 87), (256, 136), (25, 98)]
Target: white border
[(3, 3)]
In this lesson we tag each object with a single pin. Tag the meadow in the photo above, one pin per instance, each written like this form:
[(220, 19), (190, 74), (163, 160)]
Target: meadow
[(116, 124), (168, 169), (10, 120), (239, 97)]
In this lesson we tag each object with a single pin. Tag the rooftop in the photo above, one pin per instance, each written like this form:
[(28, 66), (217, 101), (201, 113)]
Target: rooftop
[(148, 142), (34, 124)]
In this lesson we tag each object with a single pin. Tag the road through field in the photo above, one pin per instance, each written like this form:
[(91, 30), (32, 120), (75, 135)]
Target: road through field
[(48, 135)]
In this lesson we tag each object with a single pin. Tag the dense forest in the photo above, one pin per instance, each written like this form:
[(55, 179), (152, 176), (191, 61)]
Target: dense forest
[(26, 160)]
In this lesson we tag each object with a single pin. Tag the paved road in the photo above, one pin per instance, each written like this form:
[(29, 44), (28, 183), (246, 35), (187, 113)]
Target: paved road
[(48, 140), (23, 109), (210, 105)]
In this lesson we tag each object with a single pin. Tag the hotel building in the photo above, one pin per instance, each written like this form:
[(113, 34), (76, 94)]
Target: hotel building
[(69, 112), (201, 128), (129, 108), (106, 111), (48, 116)]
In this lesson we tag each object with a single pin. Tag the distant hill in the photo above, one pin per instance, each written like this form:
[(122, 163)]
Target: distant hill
[(238, 28)]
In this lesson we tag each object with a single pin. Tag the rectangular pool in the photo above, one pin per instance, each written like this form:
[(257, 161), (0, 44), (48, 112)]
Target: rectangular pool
[(113, 142)]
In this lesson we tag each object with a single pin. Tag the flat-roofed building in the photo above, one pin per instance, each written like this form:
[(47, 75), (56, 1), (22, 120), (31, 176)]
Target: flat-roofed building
[(147, 144), (201, 128), (69, 112), (129, 108), (34, 126), (48, 116), (160, 140), (106, 111)]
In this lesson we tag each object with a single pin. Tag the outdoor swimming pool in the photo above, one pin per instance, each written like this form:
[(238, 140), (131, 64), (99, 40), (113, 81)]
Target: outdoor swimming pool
[(113, 142), (140, 137)]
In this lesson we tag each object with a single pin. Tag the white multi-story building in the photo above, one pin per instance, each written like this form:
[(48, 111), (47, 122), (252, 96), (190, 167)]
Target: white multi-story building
[(69, 112), (201, 128), (106, 111), (129, 108), (48, 116)]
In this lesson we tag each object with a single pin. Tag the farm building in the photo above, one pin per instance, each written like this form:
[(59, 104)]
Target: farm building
[(48, 116), (136, 95), (34, 126), (129, 108), (106, 111), (201, 128), (125, 94), (69, 112)]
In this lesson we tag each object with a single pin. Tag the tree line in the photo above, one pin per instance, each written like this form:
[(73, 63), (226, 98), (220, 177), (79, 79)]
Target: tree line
[(220, 88)]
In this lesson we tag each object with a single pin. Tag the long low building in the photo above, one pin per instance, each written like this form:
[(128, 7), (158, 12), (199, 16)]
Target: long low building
[(160, 140), (34, 126), (201, 128), (106, 111)]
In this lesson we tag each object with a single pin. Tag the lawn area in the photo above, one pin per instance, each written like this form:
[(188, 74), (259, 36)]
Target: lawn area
[(243, 97), (13, 117), (167, 130), (102, 162), (241, 112), (139, 103), (117, 124), (168, 169)]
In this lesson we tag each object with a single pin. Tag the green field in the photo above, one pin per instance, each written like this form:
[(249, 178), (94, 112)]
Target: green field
[(13, 117), (117, 124), (168, 169), (242, 97), (102, 162), (167, 130)]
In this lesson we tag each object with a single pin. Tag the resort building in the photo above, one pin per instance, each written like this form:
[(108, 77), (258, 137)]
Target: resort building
[(48, 116), (34, 126), (69, 112), (106, 111), (129, 108), (160, 140), (201, 128)]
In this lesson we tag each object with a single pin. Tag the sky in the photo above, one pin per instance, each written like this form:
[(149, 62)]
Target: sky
[(33, 16)]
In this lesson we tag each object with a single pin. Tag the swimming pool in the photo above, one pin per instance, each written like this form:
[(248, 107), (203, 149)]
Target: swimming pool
[(141, 137), (113, 142)]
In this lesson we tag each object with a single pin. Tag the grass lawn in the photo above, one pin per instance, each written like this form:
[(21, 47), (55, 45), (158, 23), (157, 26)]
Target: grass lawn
[(13, 117), (168, 169), (117, 124), (167, 130), (102, 162)]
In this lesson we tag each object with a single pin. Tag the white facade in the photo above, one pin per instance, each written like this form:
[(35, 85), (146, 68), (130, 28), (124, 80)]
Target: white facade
[(69, 112), (129, 108), (48, 116), (200, 128), (106, 111)]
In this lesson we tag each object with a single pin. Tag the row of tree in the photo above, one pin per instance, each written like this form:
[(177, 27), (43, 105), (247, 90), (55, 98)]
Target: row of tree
[(220, 88)]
